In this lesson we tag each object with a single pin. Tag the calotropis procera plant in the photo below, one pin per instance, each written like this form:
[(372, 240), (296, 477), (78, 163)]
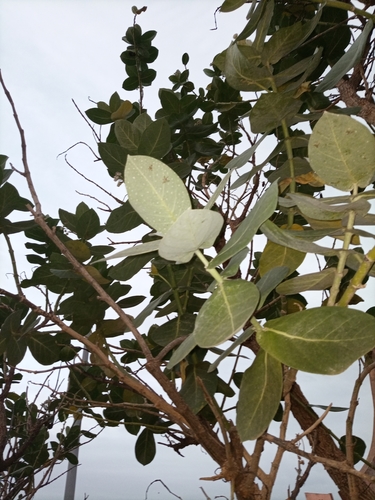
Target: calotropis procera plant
[(226, 228)]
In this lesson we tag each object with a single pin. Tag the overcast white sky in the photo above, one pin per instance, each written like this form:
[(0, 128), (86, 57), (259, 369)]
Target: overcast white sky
[(50, 52)]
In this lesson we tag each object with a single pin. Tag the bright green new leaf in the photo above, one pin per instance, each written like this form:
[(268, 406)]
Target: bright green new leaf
[(242, 69), (194, 229), (259, 397), (155, 192), (313, 281), (271, 109), (325, 340), (347, 61), (342, 152), (262, 210), (225, 312)]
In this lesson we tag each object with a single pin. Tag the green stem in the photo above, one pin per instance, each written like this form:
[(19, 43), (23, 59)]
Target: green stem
[(289, 152), (214, 273), (334, 291), (176, 295), (357, 281)]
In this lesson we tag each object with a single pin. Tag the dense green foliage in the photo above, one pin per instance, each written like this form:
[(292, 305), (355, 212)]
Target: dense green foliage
[(198, 200)]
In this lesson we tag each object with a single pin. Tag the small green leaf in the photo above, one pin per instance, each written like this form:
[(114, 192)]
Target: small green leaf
[(156, 139), (225, 312), (155, 192), (193, 229), (171, 330), (271, 109), (143, 248), (314, 281), (130, 266), (262, 210), (324, 340), (342, 152), (44, 348), (275, 255), (259, 397), (88, 225), (230, 5), (182, 351), (99, 116), (191, 389), (145, 448), (113, 156), (269, 282)]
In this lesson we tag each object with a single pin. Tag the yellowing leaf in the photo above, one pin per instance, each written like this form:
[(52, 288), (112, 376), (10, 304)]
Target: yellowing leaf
[(123, 111)]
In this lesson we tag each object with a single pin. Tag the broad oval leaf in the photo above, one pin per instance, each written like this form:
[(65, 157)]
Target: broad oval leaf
[(225, 312), (194, 229), (259, 397), (325, 340), (145, 448), (342, 152), (44, 348), (270, 109), (192, 390), (156, 139), (155, 192)]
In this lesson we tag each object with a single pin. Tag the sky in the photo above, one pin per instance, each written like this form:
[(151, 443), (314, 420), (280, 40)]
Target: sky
[(51, 52)]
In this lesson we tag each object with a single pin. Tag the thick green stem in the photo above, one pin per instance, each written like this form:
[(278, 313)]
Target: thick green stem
[(215, 274), (346, 6)]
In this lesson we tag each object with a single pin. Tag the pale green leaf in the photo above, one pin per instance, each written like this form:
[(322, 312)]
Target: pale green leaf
[(263, 25), (347, 61), (234, 263), (194, 229), (313, 281), (270, 109), (230, 5), (262, 210), (225, 312), (142, 122), (259, 398), (150, 246), (241, 338), (155, 192), (342, 152), (324, 340)]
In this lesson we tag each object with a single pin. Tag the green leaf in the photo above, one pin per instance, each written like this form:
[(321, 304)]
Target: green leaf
[(324, 340), (263, 25), (242, 69), (359, 447), (11, 200), (269, 282), (287, 39), (113, 156), (142, 122), (171, 330), (130, 266), (128, 136), (44, 348), (78, 249), (16, 349), (301, 167), (275, 255), (193, 229), (271, 109), (262, 210), (122, 219), (225, 312), (155, 192), (314, 281), (342, 152), (182, 351), (191, 389), (230, 5), (145, 448), (156, 139), (143, 248), (88, 225), (290, 239), (347, 61), (99, 116), (69, 220), (259, 397)]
